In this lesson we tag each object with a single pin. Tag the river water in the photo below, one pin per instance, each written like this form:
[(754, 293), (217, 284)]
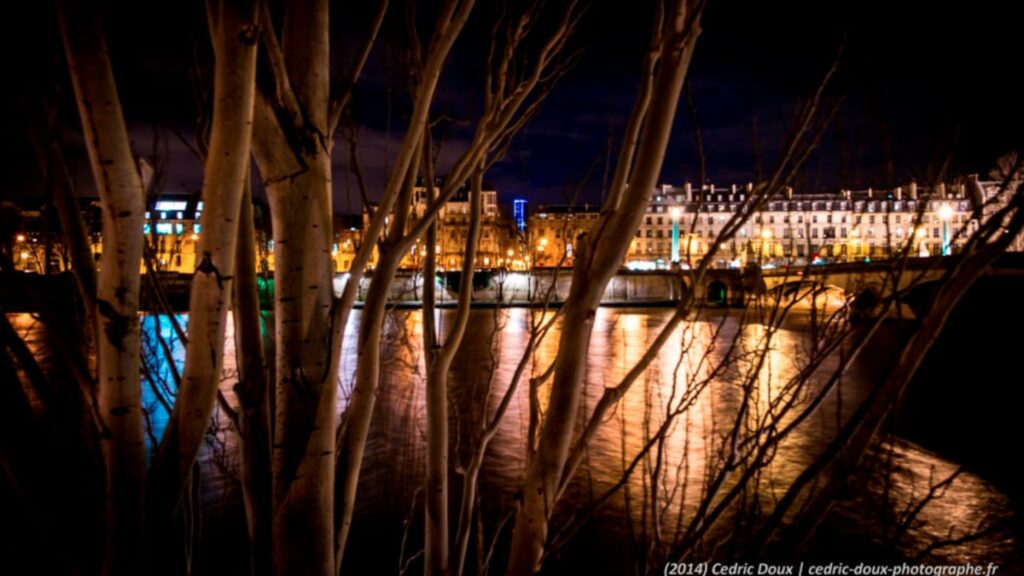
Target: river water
[(860, 527)]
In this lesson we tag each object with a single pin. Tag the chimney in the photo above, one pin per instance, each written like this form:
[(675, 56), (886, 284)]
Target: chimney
[(871, 193), (940, 189), (688, 189), (899, 193), (913, 190), (789, 192)]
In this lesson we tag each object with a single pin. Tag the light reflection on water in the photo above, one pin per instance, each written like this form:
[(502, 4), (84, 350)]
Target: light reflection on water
[(484, 366)]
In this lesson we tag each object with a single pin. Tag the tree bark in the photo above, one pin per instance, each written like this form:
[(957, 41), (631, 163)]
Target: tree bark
[(600, 256), (253, 393), (117, 293), (436, 517), (227, 166)]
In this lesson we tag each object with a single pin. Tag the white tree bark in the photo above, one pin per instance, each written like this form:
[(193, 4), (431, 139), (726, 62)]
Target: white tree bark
[(117, 294), (600, 256), (436, 517), (227, 166)]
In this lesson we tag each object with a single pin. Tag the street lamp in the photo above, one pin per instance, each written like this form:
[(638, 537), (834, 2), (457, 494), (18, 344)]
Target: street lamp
[(766, 239), (922, 246), (945, 214), (675, 213)]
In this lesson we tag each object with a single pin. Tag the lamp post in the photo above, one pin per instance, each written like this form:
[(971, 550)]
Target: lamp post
[(766, 239), (945, 214), (675, 213)]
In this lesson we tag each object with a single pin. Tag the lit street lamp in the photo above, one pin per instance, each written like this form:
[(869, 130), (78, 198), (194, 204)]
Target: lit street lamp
[(922, 246), (945, 214), (766, 244), (675, 213)]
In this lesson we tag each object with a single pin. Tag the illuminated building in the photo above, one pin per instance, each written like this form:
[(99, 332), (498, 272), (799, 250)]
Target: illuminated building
[(553, 231), (851, 225)]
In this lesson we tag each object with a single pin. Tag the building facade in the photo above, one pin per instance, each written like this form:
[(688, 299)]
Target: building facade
[(553, 231), (682, 224)]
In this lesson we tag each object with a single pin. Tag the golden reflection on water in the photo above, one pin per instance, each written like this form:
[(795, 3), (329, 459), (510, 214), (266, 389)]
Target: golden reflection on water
[(694, 444)]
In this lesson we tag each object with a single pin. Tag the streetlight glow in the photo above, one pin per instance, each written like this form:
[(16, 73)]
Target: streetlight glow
[(675, 212), (945, 214)]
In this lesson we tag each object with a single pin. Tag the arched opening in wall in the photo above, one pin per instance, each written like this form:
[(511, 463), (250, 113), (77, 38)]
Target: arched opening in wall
[(718, 293)]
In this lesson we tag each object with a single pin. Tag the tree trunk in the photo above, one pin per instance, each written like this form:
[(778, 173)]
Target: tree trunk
[(364, 391), (117, 294), (253, 394), (227, 166), (600, 256), (436, 517), (291, 146)]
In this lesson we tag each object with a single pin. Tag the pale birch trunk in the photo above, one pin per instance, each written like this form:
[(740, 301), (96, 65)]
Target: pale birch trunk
[(600, 256), (117, 292), (364, 391), (253, 393), (359, 411), (292, 150), (436, 517), (227, 164)]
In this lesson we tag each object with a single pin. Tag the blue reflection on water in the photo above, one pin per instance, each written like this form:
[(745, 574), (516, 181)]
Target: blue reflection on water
[(159, 389)]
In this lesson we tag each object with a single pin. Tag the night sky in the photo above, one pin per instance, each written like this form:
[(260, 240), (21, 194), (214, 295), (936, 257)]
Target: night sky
[(920, 82)]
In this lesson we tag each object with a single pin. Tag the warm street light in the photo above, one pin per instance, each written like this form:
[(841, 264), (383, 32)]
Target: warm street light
[(20, 238), (766, 238), (922, 246), (945, 214)]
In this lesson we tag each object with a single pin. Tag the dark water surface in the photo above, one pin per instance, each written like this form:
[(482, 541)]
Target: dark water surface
[(981, 497)]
